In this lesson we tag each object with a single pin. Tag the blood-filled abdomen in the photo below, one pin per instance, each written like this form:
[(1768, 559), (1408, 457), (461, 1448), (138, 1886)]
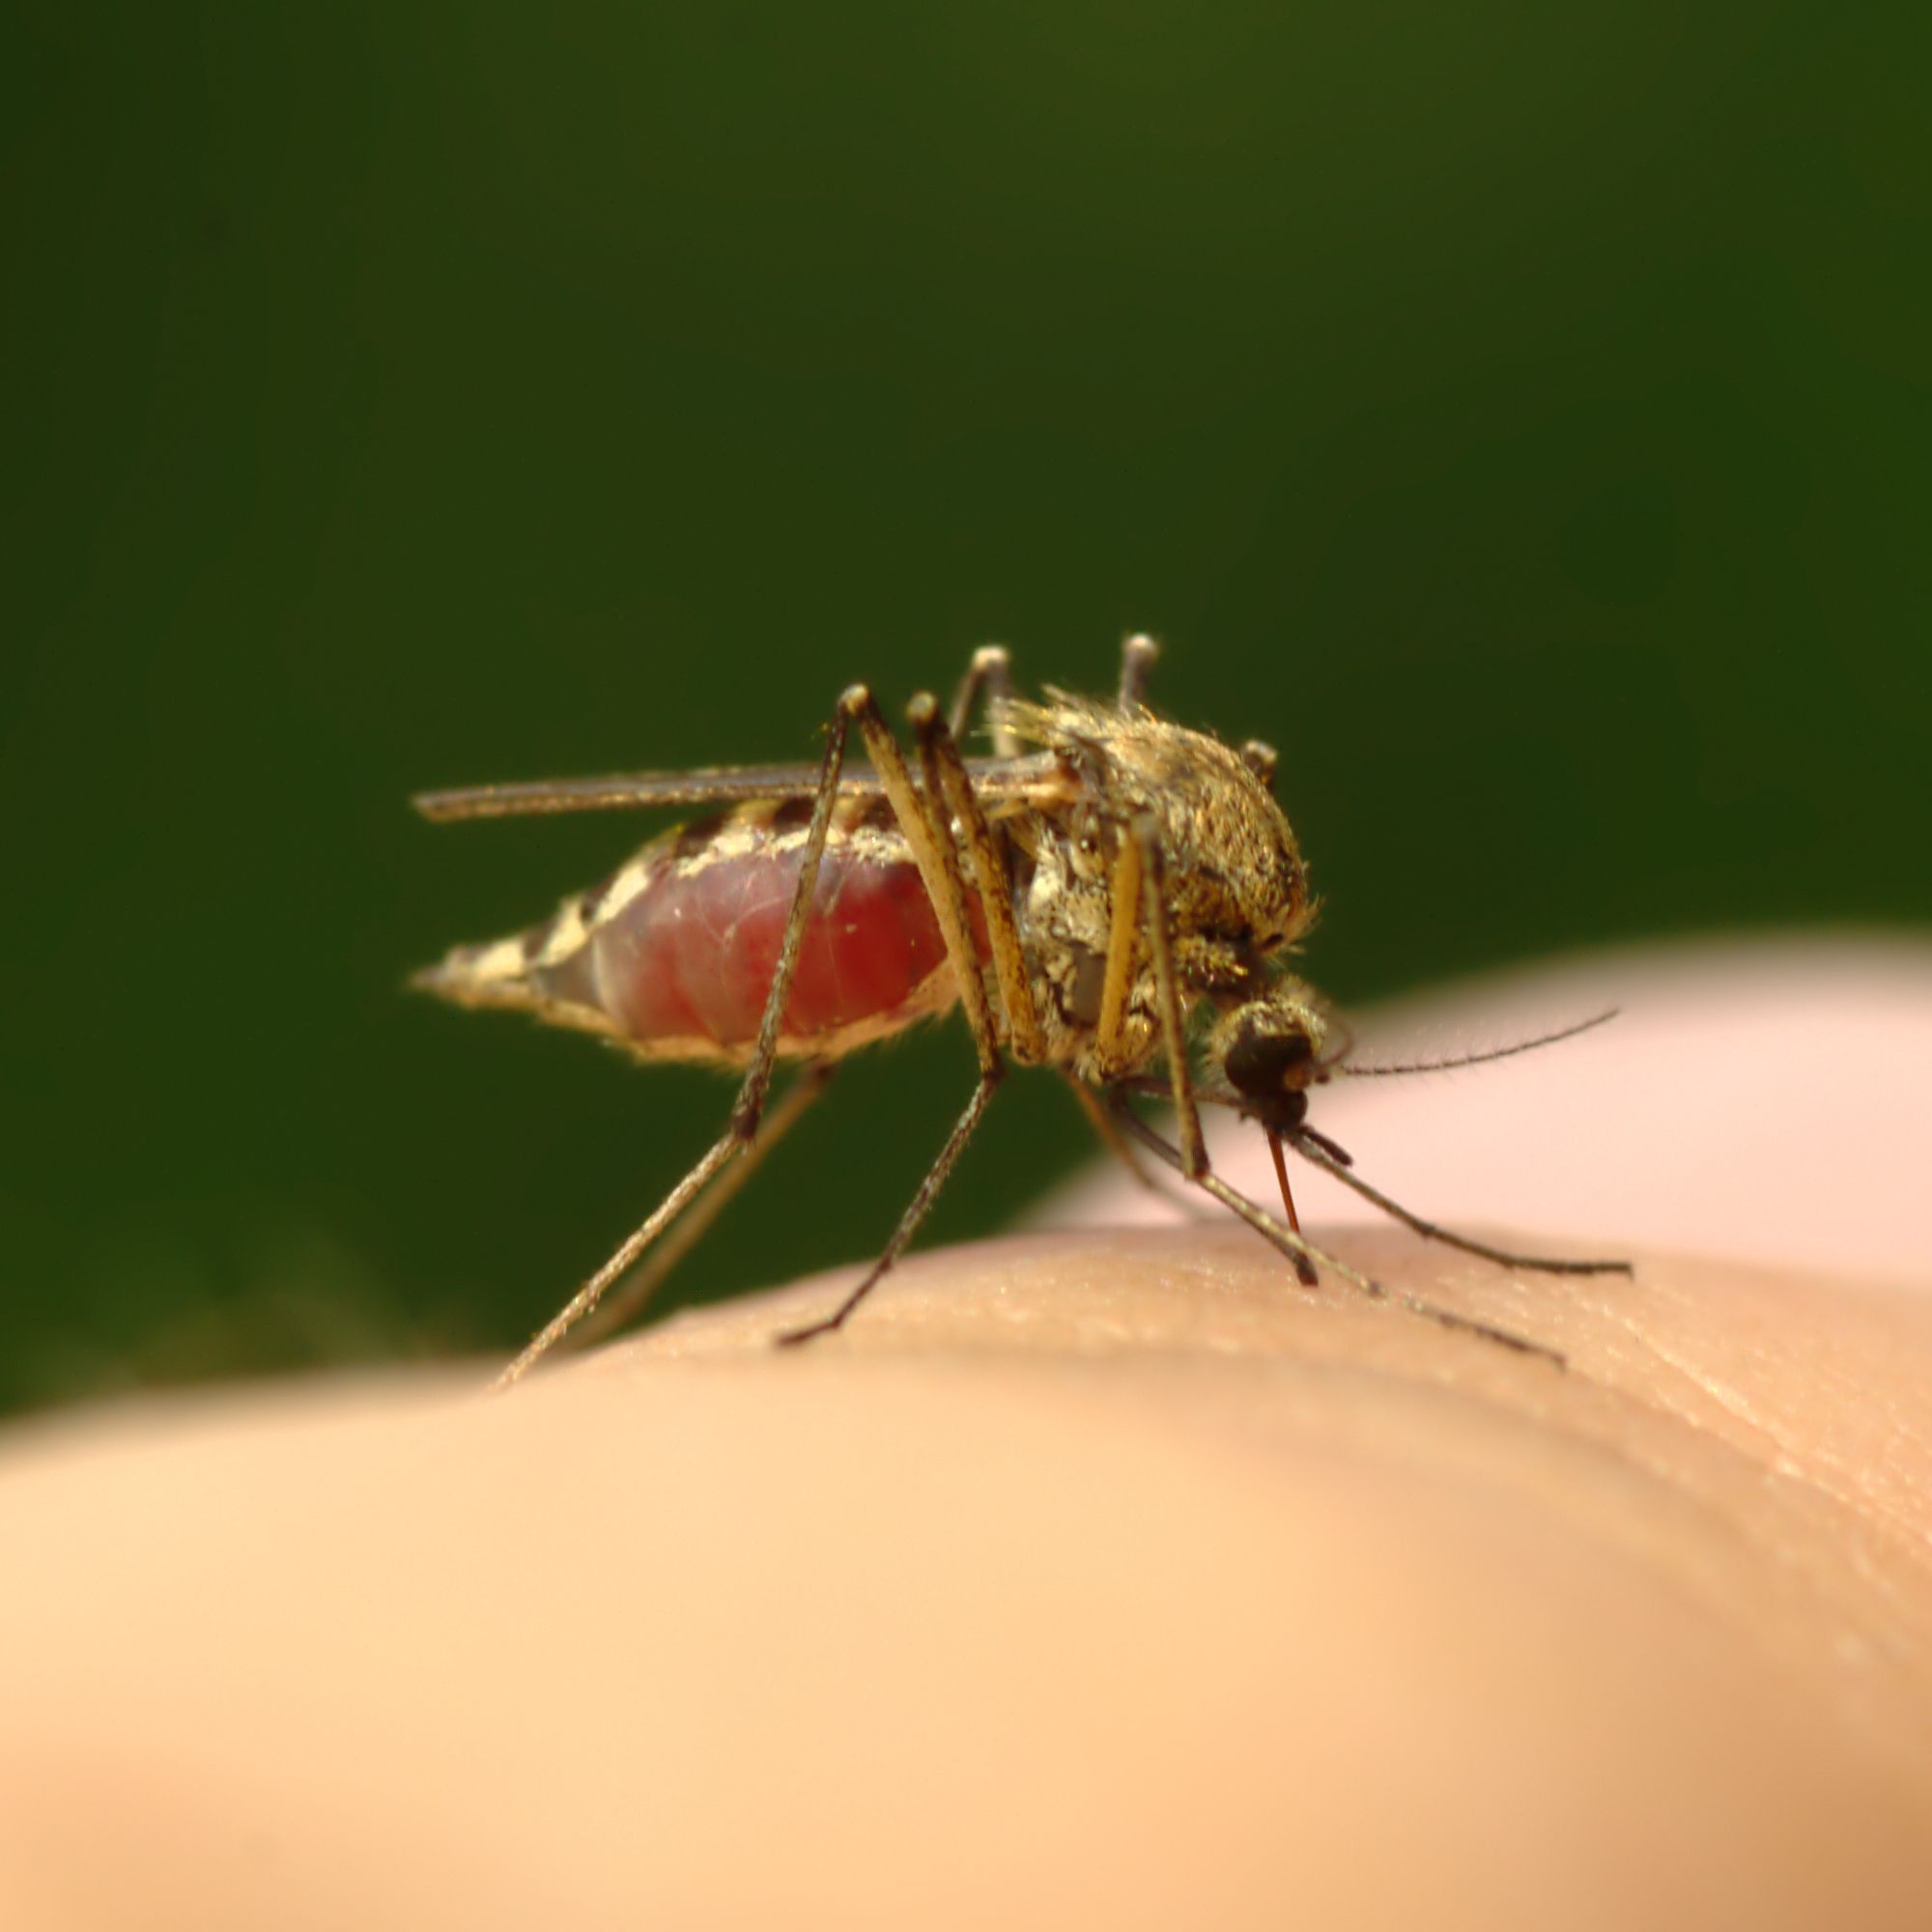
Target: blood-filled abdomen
[(692, 955), (677, 952)]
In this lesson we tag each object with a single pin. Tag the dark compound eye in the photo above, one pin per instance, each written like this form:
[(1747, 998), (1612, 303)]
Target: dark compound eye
[(1258, 1063)]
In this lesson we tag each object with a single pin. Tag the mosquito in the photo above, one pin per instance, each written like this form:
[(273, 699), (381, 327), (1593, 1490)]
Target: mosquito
[(1106, 895)]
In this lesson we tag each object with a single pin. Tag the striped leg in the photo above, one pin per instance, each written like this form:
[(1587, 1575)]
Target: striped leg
[(923, 820), (631, 1299), (915, 1214), (949, 789), (1315, 1149), (742, 1130)]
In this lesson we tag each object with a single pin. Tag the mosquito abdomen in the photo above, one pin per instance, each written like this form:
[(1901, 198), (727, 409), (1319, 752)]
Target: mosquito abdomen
[(677, 952)]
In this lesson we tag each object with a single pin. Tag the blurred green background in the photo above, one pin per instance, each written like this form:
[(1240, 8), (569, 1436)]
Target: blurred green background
[(1518, 414)]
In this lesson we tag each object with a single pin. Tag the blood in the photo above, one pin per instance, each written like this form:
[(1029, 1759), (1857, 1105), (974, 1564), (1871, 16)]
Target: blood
[(694, 954)]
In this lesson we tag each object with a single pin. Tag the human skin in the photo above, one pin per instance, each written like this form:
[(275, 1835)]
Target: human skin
[(1100, 1576)]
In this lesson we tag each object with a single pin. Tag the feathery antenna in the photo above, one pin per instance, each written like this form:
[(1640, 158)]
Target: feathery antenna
[(1356, 1072)]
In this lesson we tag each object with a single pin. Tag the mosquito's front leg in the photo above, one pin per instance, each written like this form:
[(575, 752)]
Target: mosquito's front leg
[(1191, 1156), (1315, 1148), (1295, 1247), (1123, 956), (1146, 835)]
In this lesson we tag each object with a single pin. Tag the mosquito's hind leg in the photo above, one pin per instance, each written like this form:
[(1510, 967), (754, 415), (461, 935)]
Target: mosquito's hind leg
[(620, 1262), (749, 1109), (615, 1309)]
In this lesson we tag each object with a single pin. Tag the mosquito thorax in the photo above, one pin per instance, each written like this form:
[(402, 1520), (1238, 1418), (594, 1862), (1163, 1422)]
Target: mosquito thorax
[(1232, 886), (1233, 869)]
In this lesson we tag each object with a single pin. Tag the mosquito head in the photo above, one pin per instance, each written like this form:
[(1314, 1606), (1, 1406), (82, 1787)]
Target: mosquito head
[(1271, 1051)]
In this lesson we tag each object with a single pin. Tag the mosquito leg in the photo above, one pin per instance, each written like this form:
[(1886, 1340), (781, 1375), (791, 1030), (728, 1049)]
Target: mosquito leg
[(1293, 1245), (1181, 1071), (1137, 656), (615, 1309), (924, 825), (1123, 949), (855, 702), (984, 852), (1315, 1149), (951, 900), (634, 1243), (749, 1108), (1110, 1136), (991, 673), (1146, 837), (1115, 1141), (915, 1214), (1274, 1231)]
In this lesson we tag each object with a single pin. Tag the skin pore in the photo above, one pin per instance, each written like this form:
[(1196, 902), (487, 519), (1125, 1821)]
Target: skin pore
[(1099, 1575)]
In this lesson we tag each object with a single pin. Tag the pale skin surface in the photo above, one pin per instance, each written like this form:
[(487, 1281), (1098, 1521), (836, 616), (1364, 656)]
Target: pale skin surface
[(1096, 1578)]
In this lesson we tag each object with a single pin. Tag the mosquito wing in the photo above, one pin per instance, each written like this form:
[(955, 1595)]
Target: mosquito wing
[(997, 782)]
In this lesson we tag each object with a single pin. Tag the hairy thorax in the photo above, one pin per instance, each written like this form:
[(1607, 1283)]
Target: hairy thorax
[(1234, 885)]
